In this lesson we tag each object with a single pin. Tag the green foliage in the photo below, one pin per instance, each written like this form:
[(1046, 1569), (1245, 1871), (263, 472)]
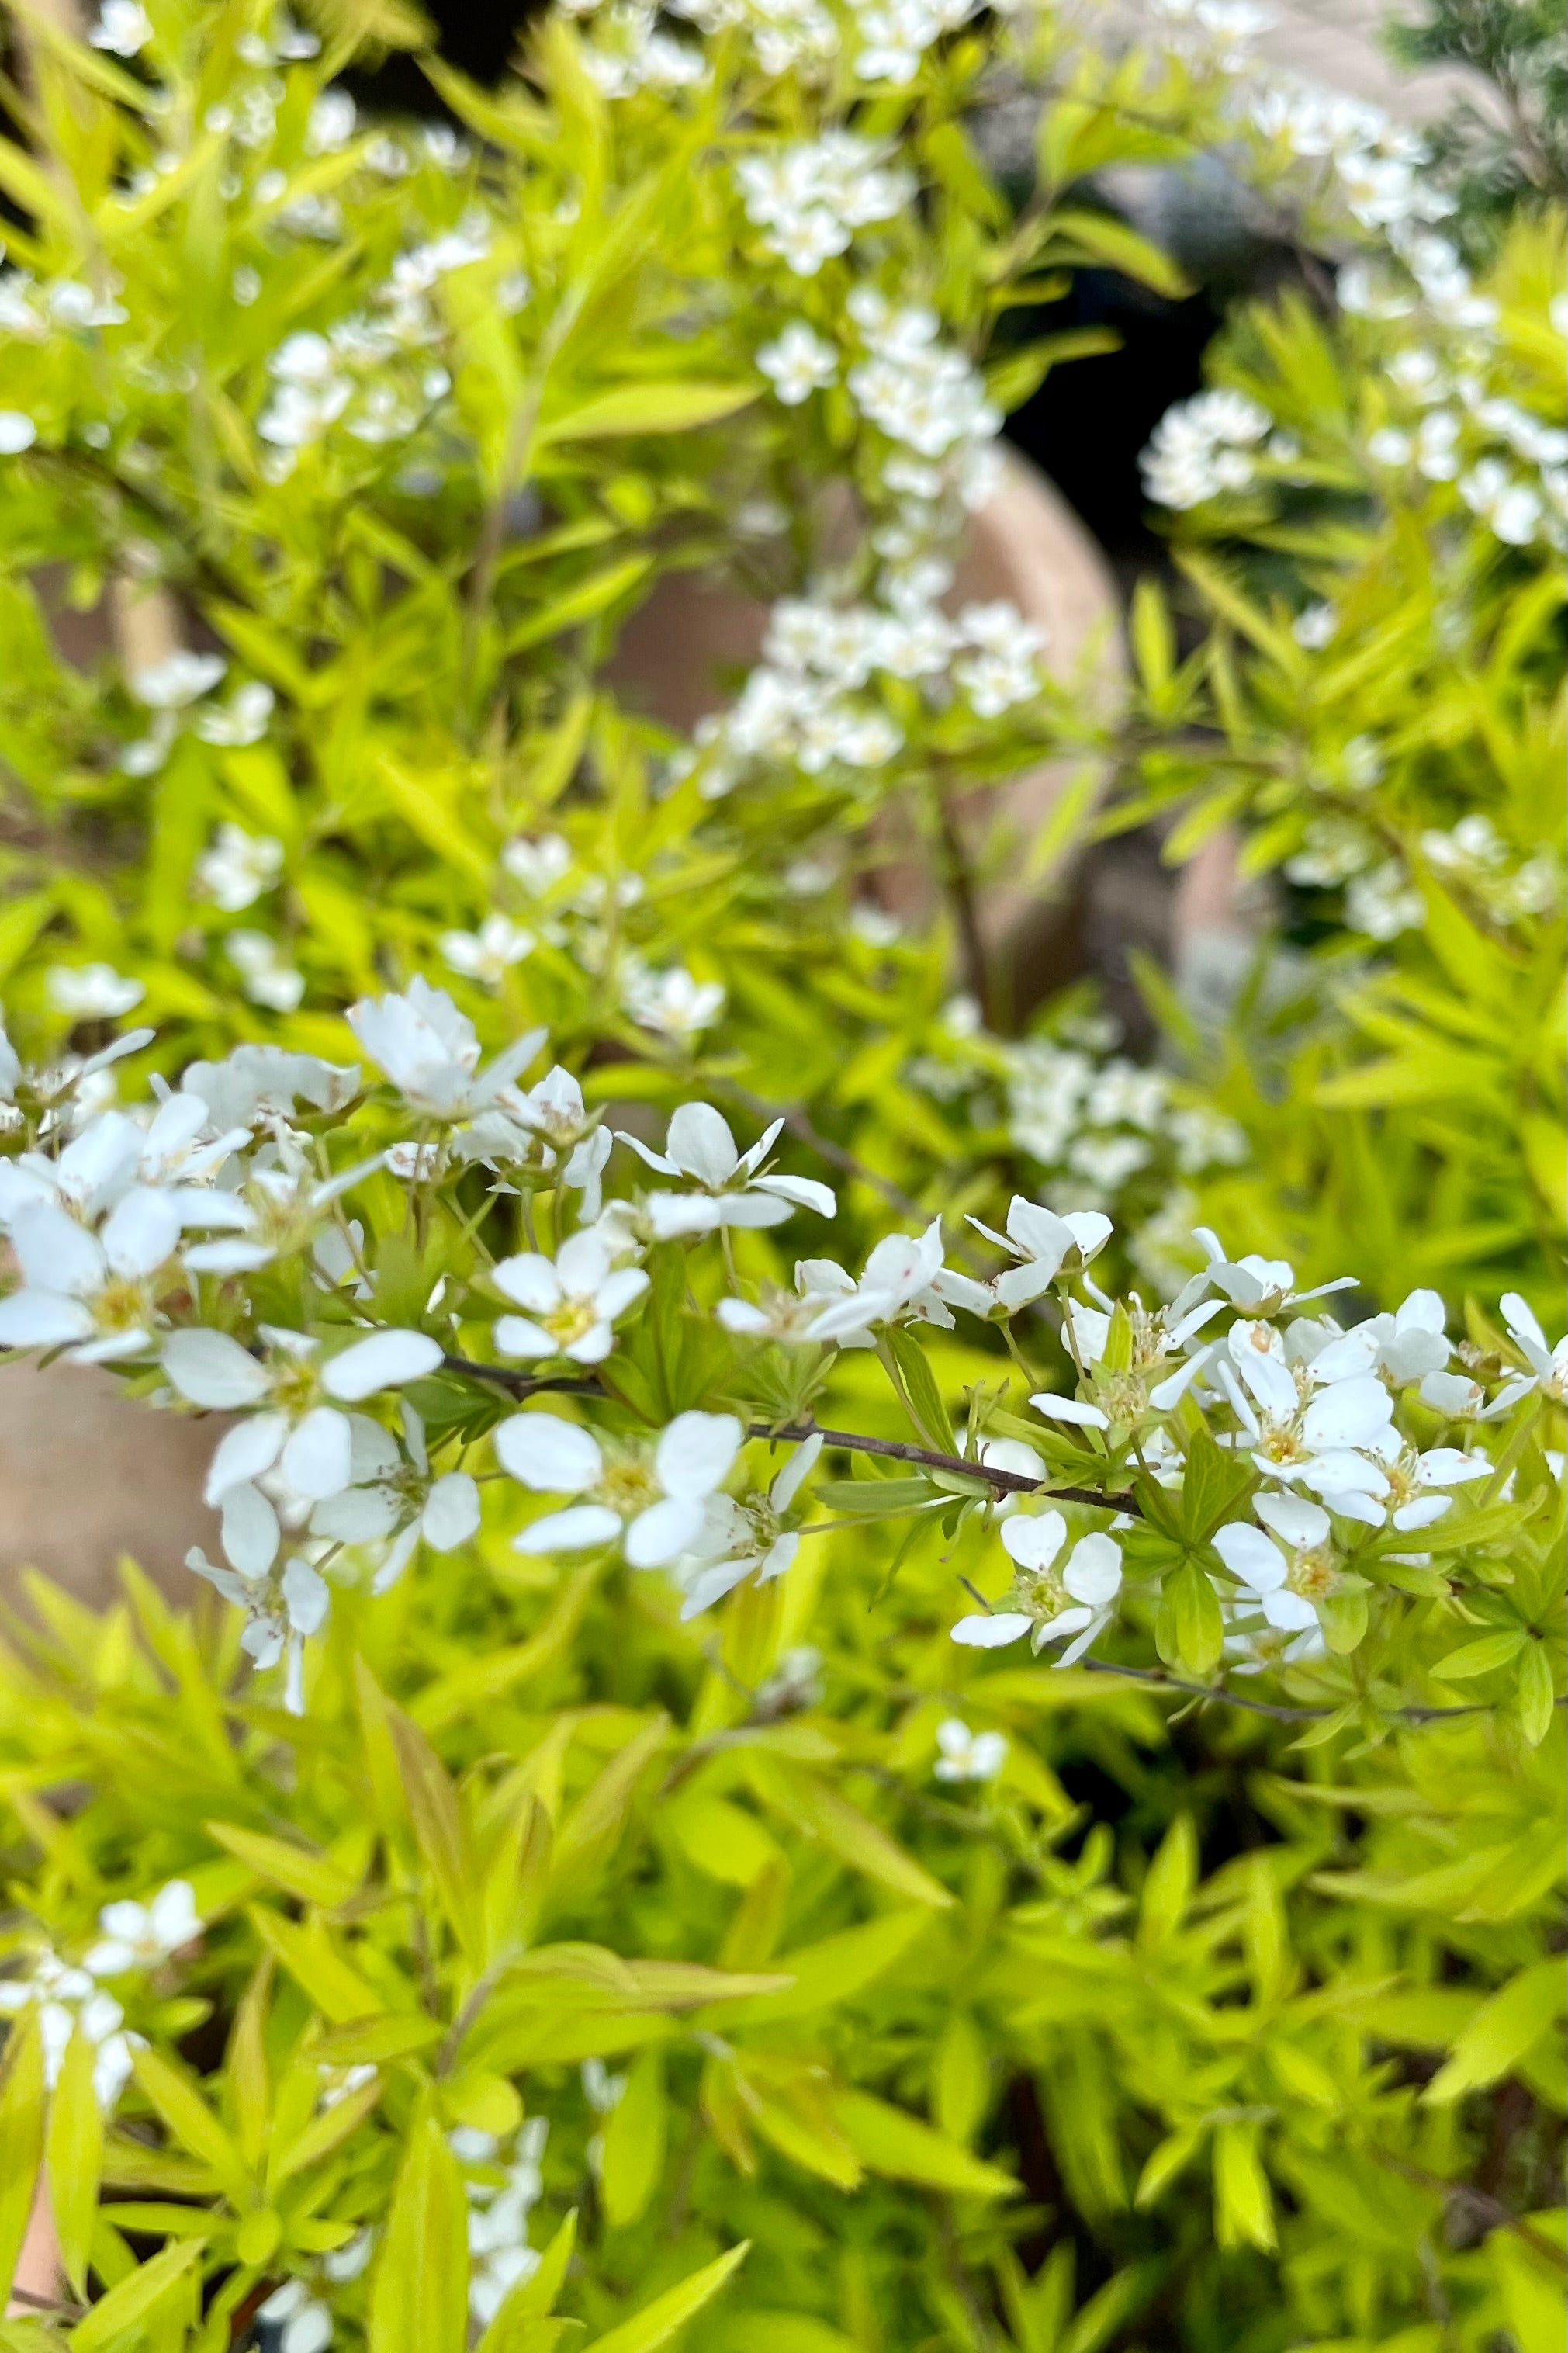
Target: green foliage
[(469, 1945)]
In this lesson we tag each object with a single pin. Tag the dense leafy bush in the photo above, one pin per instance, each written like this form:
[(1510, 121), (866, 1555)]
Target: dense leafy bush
[(576, 1872)]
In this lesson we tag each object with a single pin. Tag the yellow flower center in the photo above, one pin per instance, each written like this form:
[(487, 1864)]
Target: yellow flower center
[(568, 1322), (1312, 1575), (629, 1488), (123, 1306)]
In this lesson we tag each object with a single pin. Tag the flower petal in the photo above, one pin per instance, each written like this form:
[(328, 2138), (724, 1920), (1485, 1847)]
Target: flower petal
[(1291, 1516), (1351, 1413), (531, 1279), (574, 1530), (54, 1252), (552, 1456), (211, 1370), (1033, 1539), (42, 1319), (1249, 1554), (451, 1512), (695, 1453), (244, 1453), (316, 1459), (1073, 1409), (141, 1231), (992, 1632), (700, 1141), (251, 1534), (383, 1362), (1093, 1573), (665, 1530)]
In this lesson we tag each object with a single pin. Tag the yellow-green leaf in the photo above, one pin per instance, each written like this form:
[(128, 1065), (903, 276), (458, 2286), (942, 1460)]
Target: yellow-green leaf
[(419, 2296), (658, 2322)]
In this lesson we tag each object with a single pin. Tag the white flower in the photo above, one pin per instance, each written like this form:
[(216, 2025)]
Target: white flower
[(673, 1002), (180, 678), (242, 720), (264, 1082), (1260, 1286), (1314, 627), (331, 123), (394, 1495), (1042, 1244), (1202, 447), (1328, 1445), (66, 1998), (429, 1052), (301, 2320), (573, 1301), (92, 992), (812, 196), (798, 364), (489, 954), (1404, 1346), (140, 1935), (279, 1610), (238, 867), (94, 1295), (287, 1422), (1548, 1368), (968, 1755), (1076, 1599), (18, 432), (1286, 1578), (122, 26), (740, 1537), (538, 865), (1384, 903), (656, 1500), (730, 1192), (268, 978), (899, 1281)]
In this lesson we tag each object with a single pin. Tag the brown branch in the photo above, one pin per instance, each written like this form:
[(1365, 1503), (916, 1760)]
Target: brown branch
[(898, 1450), (522, 1385), (1224, 1697), (1486, 2208)]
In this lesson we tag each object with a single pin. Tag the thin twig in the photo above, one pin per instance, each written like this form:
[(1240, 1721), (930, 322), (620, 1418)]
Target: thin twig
[(1280, 1714), (1006, 1483), (522, 1385), (1488, 2208)]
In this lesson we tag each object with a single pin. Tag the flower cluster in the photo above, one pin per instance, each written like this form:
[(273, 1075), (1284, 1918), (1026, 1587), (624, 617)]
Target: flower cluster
[(139, 1234), (810, 199), (72, 2000)]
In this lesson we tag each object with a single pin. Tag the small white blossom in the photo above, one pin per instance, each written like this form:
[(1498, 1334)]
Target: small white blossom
[(394, 1495), (968, 1755), (430, 1052), (573, 1301), (798, 364), (1075, 1600), (654, 1499), (673, 1002), (142, 1935), (92, 992), (238, 867), (123, 26), (733, 1188), (489, 954)]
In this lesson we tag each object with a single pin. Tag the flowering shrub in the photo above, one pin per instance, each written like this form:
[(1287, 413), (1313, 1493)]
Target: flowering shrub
[(574, 1862)]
